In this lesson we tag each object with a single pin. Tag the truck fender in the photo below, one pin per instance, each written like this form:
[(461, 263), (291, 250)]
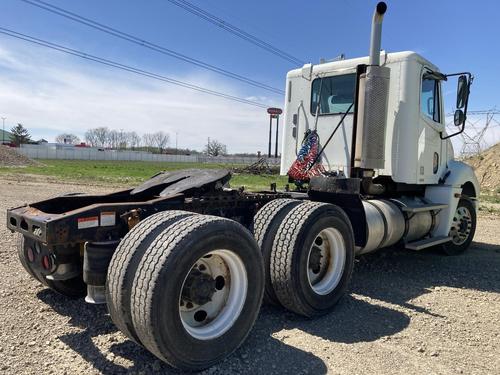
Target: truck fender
[(458, 179), (463, 175)]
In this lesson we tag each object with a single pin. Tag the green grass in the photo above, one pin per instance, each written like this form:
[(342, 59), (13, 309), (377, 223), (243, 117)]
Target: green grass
[(130, 173), (489, 202), (491, 197)]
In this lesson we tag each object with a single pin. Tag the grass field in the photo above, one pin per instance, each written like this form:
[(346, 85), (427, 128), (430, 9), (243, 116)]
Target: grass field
[(130, 173)]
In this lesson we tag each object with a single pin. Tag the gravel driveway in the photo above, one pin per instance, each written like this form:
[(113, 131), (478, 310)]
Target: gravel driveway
[(407, 312)]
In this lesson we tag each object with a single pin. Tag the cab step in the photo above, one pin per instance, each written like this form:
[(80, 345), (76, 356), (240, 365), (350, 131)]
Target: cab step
[(427, 242), (424, 207)]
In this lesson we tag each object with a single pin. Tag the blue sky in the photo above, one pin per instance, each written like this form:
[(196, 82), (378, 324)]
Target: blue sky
[(51, 92)]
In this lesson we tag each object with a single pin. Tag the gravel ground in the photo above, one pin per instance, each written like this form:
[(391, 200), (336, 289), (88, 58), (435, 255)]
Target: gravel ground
[(406, 312)]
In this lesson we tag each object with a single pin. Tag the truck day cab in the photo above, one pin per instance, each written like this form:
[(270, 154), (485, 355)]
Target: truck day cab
[(183, 261)]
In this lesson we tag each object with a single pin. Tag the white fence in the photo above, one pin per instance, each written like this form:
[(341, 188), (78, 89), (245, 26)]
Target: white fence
[(77, 153)]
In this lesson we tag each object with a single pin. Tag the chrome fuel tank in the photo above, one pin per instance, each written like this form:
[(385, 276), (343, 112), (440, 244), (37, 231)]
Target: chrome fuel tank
[(387, 223)]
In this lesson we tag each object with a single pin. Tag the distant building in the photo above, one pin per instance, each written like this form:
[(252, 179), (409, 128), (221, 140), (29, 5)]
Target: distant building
[(42, 142), (5, 137)]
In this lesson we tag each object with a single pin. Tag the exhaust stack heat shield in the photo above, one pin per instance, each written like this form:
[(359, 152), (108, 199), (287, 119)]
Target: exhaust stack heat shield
[(372, 118)]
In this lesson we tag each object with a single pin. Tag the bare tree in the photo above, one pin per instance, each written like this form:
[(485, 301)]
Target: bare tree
[(102, 135), (113, 139), (90, 138), (133, 140), (161, 140), (148, 140), (67, 138), (121, 138), (215, 148), (97, 137)]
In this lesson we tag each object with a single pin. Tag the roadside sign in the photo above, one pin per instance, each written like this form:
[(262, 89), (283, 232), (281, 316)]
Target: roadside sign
[(274, 111)]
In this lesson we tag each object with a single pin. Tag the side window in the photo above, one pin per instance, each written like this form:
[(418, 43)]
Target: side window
[(337, 94), (429, 99)]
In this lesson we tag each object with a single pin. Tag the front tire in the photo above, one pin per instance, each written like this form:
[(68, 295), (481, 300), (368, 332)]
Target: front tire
[(197, 291), (312, 258), (463, 228)]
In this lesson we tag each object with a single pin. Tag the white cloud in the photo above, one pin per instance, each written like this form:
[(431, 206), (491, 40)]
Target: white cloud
[(50, 92)]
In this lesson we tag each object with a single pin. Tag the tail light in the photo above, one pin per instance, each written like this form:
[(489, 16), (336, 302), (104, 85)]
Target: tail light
[(30, 254), (46, 263)]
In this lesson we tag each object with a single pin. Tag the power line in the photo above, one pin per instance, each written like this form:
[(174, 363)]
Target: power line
[(197, 11), (127, 68), (473, 136), (144, 43)]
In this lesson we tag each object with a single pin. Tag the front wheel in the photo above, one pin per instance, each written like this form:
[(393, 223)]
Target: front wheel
[(463, 228)]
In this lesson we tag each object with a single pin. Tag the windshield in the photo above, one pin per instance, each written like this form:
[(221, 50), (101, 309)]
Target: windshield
[(337, 94)]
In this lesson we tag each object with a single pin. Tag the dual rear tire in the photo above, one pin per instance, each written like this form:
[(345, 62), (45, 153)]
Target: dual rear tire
[(308, 250), (187, 287)]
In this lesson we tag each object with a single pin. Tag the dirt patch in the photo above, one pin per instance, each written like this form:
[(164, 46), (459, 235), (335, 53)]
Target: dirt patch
[(9, 157), (405, 313), (487, 167)]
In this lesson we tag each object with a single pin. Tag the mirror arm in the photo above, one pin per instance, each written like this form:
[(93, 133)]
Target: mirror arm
[(471, 77), (454, 134)]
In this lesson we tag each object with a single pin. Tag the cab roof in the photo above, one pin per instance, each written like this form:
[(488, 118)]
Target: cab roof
[(385, 58)]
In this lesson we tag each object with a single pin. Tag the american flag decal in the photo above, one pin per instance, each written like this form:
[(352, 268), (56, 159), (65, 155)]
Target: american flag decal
[(304, 167)]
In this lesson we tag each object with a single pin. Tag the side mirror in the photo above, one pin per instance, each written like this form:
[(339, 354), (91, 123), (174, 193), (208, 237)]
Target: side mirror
[(458, 117), (462, 91)]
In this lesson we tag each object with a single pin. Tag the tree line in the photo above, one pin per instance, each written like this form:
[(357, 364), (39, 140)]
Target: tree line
[(103, 137)]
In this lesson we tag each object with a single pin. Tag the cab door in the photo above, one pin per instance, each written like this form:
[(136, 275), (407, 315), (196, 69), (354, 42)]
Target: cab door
[(431, 124)]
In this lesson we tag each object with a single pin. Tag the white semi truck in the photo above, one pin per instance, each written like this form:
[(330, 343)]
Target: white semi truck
[(183, 262)]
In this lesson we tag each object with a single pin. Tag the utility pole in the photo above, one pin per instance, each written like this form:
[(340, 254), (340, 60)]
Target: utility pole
[(276, 146), (176, 135), (273, 113), (270, 134), (3, 130)]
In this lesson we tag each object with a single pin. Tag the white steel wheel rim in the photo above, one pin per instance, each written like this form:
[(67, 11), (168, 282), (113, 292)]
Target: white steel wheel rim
[(331, 245), (225, 305), (461, 225)]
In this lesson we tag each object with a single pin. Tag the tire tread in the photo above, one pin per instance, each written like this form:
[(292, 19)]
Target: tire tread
[(265, 228), (123, 264)]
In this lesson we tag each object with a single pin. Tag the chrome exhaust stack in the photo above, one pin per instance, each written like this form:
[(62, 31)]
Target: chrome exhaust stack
[(376, 36), (372, 103)]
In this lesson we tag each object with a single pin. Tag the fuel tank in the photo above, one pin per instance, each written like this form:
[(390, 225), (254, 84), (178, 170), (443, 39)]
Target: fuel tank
[(388, 223)]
